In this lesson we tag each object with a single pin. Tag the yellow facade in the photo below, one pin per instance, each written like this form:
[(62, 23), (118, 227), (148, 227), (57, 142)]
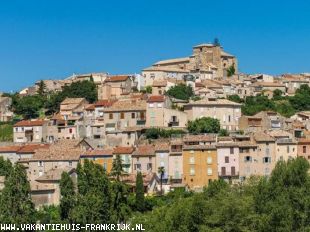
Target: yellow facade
[(199, 166), (104, 161)]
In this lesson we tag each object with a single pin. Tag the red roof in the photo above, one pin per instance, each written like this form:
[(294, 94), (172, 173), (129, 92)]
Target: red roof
[(98, 152), (30, 123), (157, 98), (117, 78), (10, 148), (104, 103), (31, 148), (123, 150), (145, 150)]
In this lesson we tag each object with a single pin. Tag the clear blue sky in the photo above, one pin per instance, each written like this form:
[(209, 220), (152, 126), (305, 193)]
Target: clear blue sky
[(52, 39)]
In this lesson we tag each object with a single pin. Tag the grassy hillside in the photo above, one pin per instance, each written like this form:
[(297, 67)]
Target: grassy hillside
[(6, 132)]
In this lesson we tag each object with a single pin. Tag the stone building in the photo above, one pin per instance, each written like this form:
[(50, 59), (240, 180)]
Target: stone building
[(208, 61)]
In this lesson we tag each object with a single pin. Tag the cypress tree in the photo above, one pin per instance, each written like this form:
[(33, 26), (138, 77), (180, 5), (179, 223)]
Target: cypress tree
[(139, 193), (68, 196), (117, 168), (16, 206)]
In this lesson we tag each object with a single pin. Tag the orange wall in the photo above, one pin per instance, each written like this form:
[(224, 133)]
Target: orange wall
[(101, 160), (201, 176)]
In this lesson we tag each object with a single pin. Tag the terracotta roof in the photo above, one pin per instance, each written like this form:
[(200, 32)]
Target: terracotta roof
[(145, 150), (117, 78), (232, 144), (10, 148), (72, 101), (90, 107), (66, 149), (263, 137), (199, 138), (156, 98), (26, 123), (104, 103), (213, 102), (147, 178), (36, 186), (123, 150), (176, 60), (31, 148), (268, 84), (199, 84), (127, 105), (304, 141), (98, 152), (198, 147), (162, 146)]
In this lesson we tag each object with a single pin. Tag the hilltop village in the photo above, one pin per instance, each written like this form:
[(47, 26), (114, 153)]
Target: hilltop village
[(181, 123)]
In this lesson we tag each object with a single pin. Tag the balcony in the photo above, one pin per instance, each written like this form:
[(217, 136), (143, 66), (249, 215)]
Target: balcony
[(141, 122)]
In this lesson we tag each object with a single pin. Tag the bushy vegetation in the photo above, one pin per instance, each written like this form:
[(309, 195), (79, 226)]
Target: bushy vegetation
[(204, 125), (181, 91), (155, 133), (278, 203), (284, 105), (6, 132), (47, 103)]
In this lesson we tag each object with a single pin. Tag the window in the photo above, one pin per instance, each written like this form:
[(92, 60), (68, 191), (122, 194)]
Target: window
[(228, 118), (159, 105), (142, 115), (288, 149), (266, 160), (192, 160), (110, 115), (128, 135), (40, 173), (40, 164), (226, 159), (137, 166), (304, 149), (209, 171), (70, 163), (122, 115), (151, 105), (247, 159), (233, 171), (209, 160), (133, 115), (70, 130), (231, 150), (149, 166), (192, 152), (192, 171)]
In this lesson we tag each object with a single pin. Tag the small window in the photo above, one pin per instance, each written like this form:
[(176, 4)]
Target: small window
[(247, 159), (192, 160), (288, 149), (70, 163), (226, 159), (209, 160), (111, 116), (266, 160), (209, 171), (304, 149), (40, 164), (151, 105), (231, 150), (133, 115), (192, 171), (122, 115)]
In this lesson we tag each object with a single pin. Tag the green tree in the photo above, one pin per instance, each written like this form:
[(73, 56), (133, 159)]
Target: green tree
[(41, 89), (94, 196), (5, 167), (204, 125), (223, 132), (117, 168), (29, 106), (181, 91), (120, 201), (231, 70), (161, 172), (140, 206), (148, 89), (68, 196), (277, 94), (235, 98), (16, 206)]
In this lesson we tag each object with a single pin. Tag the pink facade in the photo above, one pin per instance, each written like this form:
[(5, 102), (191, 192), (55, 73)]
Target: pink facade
[(228, 160)]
